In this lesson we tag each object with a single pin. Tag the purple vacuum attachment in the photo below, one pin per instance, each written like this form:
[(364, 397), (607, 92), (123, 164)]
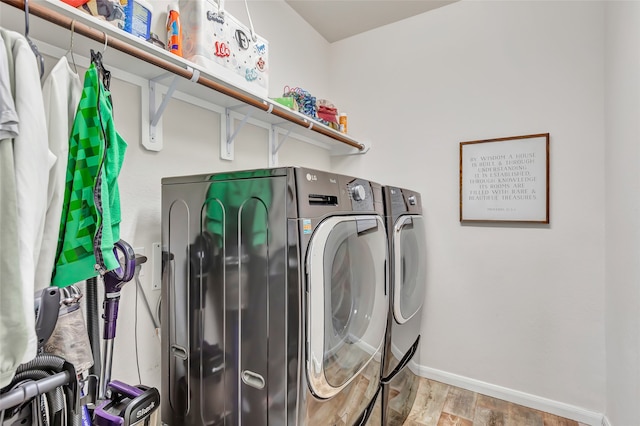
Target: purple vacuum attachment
[(128, 405)]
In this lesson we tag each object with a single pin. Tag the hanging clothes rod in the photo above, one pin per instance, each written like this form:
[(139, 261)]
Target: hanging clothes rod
[(37, 9), (32, 389)]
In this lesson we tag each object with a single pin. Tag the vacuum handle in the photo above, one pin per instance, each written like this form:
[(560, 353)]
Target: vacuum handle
[(125, 389)]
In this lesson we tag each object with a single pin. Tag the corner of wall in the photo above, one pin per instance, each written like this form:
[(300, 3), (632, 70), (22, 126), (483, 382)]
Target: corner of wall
[(517, 397)]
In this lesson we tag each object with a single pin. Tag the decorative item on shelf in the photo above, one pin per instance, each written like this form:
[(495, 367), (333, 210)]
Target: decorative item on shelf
[(224, 46)]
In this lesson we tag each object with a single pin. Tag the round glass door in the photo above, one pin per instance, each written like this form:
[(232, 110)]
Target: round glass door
[(409, 277), (346, 300)]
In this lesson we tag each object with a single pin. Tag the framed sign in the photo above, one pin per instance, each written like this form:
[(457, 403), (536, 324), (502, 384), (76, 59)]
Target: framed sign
[(505, 179)]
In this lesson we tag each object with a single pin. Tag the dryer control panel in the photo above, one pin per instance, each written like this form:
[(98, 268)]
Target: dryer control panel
[(403, 201), (361, 195), (321, 193)]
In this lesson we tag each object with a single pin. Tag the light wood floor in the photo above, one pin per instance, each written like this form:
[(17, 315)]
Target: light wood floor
[(438, 404)]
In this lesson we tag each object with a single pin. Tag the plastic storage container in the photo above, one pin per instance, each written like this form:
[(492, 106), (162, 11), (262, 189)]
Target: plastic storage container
[(223, 46)]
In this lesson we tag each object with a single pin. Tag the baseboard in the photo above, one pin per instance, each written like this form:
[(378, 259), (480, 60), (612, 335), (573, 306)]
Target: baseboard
[(533, 401)]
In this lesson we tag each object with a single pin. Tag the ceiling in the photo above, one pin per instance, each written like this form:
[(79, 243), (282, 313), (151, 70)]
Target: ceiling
[(339, 19)]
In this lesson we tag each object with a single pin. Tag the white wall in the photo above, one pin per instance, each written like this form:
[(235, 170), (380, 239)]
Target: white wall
[(519, 307), (623, 212)]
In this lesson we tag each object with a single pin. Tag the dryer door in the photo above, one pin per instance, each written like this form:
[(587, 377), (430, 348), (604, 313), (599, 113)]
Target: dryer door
[(346, 300), (409, 270)]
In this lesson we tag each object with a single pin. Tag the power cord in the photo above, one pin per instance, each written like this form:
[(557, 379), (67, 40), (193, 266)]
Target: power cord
[(140, 260), (156, 326), (135, 330)]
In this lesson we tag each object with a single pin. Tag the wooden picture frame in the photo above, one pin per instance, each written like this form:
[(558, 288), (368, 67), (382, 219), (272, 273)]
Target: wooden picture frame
[(505, 179)]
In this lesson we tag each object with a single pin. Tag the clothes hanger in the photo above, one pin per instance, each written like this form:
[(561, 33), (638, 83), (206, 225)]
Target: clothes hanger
[(106, 74), (33, 46), (70, 51), (96, 58)]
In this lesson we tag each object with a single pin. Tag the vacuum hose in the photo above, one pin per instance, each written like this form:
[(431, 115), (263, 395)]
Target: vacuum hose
[(55, 398), (93, 324), (58, 400), (43, 362)]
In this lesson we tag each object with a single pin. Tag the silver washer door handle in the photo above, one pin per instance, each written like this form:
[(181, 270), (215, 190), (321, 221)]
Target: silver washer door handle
[(179, 351), (253, 379)]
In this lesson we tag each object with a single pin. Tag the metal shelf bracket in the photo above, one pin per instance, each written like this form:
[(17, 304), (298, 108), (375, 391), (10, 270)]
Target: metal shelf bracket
[(230, 131), (275, 143), (155, 115)]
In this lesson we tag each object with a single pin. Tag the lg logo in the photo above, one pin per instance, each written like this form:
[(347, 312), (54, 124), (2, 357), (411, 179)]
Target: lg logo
[(311, 177)]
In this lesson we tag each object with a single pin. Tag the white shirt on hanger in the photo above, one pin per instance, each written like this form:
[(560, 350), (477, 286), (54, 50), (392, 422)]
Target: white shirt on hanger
[(32, 163), (61, 91), (8, 115), (13, 330)]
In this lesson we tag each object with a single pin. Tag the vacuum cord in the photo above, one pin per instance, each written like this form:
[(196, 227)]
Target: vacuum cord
[(140, 290)]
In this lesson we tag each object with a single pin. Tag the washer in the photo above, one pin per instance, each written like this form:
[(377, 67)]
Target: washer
[(407, 253), (274, 298)]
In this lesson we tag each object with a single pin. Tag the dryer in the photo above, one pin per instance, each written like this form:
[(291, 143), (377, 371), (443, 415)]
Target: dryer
[(274, 298), (407, 278)]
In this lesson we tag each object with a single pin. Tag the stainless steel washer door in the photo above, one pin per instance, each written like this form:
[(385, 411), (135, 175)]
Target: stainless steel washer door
[(409, 253), (346, 300)]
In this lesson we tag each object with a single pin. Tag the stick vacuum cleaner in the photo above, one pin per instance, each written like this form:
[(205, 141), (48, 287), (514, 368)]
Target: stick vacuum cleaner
[(121, 404)]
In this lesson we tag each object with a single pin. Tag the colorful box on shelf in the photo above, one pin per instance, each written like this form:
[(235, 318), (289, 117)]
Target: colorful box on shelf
[(223, 46)]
